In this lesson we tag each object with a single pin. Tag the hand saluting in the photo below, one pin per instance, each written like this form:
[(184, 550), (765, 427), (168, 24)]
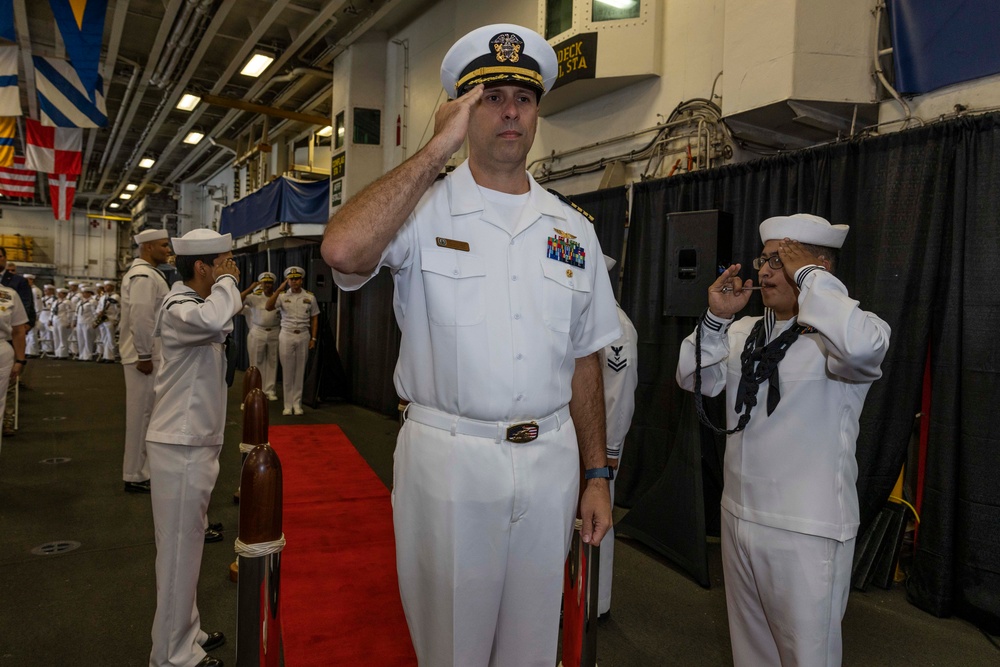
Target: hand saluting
[(794, 256)]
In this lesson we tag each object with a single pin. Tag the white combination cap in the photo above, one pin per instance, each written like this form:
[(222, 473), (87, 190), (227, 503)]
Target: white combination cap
[(267, 276), (29, 276), (804, 228), (109, 282), (71, 283), (202, 242), (46, 286), (294, 272), (148, 235), (502, 53)]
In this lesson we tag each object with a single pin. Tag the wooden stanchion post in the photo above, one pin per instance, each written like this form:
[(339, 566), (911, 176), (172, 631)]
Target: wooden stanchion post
[(258, 628), (251, 381)]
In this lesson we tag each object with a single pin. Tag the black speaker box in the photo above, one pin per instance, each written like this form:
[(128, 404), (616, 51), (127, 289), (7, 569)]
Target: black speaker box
[(320, 281), (699, 247)]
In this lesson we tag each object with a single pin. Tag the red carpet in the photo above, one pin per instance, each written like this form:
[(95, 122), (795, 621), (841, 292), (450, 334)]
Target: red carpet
[(339, 597)]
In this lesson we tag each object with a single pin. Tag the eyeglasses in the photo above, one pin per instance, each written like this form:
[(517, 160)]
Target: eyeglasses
[(773, 261)]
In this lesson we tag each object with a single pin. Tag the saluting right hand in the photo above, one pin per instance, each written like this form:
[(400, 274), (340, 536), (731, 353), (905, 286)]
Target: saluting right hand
[(726, 304), (225, 267), (451, 121)]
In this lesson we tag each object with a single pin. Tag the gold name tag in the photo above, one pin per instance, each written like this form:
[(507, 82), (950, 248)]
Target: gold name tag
[(453, 244)]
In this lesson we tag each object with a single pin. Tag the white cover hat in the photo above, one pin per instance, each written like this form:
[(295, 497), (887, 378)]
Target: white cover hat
[(267, 275), (148, 235), (804, 228), (62, 290), (70, 283), (609, 262), (499, 53), (294, 272), (86, 288), (202, 242), (109, 282), (29, 276)]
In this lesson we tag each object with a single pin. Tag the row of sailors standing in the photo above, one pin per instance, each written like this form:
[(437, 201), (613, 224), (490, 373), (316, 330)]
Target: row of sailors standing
[(75, 321)]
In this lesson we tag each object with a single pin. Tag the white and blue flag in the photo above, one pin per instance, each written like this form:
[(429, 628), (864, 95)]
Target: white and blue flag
[(10, 96), (63, 101)]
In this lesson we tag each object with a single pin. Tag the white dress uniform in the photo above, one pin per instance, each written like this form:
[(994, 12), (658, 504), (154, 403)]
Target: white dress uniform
[(262, 339), (74, 298), (618, 362), (33, 346), (86, 313), (12, 314), (111, 311), (496, 296), (45, 323), (63, 317), (790, 505), (297, 311), (143, 289), (184, 440)]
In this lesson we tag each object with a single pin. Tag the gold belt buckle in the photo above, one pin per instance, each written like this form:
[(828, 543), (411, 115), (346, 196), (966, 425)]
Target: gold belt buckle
[(523, 432)]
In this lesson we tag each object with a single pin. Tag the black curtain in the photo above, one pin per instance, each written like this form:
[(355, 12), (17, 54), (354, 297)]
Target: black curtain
[(609, 208), (923, 209), (369, 344)]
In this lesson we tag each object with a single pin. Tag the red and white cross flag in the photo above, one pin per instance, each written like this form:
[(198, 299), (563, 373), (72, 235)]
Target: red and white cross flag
[(54, 150), (62, 189), (16, 181)]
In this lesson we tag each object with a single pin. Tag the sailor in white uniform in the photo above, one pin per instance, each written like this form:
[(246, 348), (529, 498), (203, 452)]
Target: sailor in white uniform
[(45, 320), (262, 338), (503, 302), (73, 297), (63, 317), (185, 437), (143, 289), (86, 314), (299, 321), (33, 343), (789, 501), (13, 324), (621, 376), (108, 315)]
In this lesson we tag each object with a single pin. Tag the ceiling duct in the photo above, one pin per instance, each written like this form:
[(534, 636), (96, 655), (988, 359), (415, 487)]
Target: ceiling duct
[(187, 25)]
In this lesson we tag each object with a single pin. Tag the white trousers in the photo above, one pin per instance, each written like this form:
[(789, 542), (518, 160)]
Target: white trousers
[(294, 351), (61, 333), (262, 349), (139, 397), (85, 340), (607, 564), (482, 532), (45, 334), (181, 483), (32, 341), (73, 338), (107, 334), (786, 594)]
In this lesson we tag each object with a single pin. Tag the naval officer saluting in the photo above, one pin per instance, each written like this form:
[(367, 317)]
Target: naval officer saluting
[(262, 339), (185, 437), (299, 319)]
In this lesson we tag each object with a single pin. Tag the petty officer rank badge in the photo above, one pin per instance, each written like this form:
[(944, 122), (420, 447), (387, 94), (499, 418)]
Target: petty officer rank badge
[(563, 247), (617, 363)]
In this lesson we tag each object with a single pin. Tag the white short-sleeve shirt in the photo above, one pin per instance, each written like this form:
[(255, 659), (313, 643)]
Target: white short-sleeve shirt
[(494, 312)]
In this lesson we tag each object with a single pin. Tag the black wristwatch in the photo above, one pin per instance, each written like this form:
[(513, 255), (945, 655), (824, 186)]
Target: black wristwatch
[(606, 472), (23, 362)]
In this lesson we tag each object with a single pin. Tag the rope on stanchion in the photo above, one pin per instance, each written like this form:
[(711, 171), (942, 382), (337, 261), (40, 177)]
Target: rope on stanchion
[(259, 549), (246, 448)]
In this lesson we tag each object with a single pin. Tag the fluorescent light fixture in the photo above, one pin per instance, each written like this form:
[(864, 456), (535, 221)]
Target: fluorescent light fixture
[(131, 187), (257, 64), (340, 131), (114, 204), (193, 137), (188, 102), (325, 132), (147, 162), (124, 195), (617, 4)]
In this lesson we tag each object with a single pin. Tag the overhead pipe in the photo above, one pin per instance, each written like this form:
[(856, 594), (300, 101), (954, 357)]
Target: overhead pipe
[(126, 98), (196, 22), (172, 40)]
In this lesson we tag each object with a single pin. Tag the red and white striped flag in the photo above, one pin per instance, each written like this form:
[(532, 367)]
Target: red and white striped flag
[(62, 189), (54, 150), (16, 181)]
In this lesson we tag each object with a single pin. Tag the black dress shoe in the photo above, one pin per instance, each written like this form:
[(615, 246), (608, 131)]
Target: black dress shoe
[(137, 487), (209, 661), (216, 526), (214, 641), (212, 536)]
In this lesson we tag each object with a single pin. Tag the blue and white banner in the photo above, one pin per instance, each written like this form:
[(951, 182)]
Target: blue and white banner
[(81, 24), (63, 101), (10, 96), (7, 20)]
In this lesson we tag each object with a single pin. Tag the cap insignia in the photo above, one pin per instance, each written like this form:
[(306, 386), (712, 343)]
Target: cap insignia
[(507, 46)]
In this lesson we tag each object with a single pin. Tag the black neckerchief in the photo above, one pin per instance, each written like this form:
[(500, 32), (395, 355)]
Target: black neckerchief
[(759, 362)]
